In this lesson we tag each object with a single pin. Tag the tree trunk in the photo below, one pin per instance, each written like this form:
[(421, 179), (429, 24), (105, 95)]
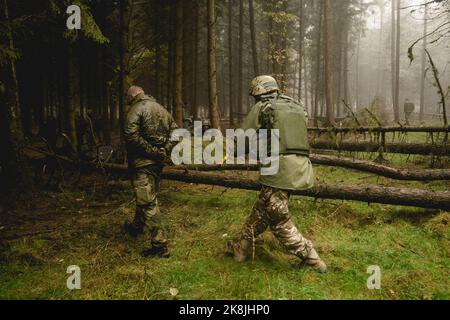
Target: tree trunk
[(404, 148), (441, 91), (445, 129), (328, 20), (397, 67), (253, 36), (194, 108), (240, 105), (348, 163), (157, 45), (379, 91), (345, 66), (70, 99), (382, 170), (296, 75), (300, 47), (213, 111), (366, 193), (230, 63), (358, 54), (171, 58), (105, 98), (187, 53), (179, 65), (339, 69), (124, 56), (318, 64), (305, 83), (423, 67)]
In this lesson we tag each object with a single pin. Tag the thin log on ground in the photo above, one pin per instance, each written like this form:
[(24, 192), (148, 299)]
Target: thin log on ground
[(403, 148), (382, 170), (431, 199), (355, 164), (380, 129)]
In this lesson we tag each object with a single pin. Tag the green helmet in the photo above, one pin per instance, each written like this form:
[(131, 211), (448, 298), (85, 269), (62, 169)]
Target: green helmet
[(263, 85)]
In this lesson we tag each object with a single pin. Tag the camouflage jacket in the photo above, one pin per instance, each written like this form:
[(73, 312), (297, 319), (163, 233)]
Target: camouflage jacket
[(147, 131)]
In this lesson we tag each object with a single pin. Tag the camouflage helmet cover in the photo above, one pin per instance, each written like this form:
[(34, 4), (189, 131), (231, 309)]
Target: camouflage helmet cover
[(263, 85)]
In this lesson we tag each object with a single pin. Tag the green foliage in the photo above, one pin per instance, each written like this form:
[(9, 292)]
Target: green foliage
[(7, 55), (89, 28), (55, 7)]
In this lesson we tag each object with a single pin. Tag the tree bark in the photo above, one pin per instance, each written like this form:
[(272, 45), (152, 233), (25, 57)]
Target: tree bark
[(397, 67), (366, 193), (358, 54), (157, 45), (318, 64), (230, 62), (440, 90), (213, 111), (124, 57), (171, 59), (194, 108), (328, 20), (348, 163), (380, 129), (423, 67), (70, 98), (179, 65), (382, 170), (240, 105), (404, 148), (253, 36), (379, 91), (300, 47)]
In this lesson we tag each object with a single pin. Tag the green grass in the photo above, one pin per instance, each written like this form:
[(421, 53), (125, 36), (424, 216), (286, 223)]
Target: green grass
[(83, 227)]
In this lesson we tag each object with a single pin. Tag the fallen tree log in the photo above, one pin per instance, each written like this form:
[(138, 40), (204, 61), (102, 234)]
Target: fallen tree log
[(380, 129), (382, 170), (405, 148), (366, 193), (355, 164)]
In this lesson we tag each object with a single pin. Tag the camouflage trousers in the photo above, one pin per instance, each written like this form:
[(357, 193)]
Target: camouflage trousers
[(146, 182), (271, 210)]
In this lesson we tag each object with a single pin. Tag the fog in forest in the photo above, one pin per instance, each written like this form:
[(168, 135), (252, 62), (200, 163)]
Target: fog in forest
[(375, 62)]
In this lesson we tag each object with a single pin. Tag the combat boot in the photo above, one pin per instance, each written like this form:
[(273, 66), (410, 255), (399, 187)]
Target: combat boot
[(159, 246), (239, 250), (133, 230), (161, 251), (313, 260)]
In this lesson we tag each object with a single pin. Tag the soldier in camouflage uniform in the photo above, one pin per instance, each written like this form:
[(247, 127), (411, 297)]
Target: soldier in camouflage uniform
[(147, 133), (271, 210)]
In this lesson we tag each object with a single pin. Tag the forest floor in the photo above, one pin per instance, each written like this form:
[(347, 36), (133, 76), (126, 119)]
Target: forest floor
[(83, 226)]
